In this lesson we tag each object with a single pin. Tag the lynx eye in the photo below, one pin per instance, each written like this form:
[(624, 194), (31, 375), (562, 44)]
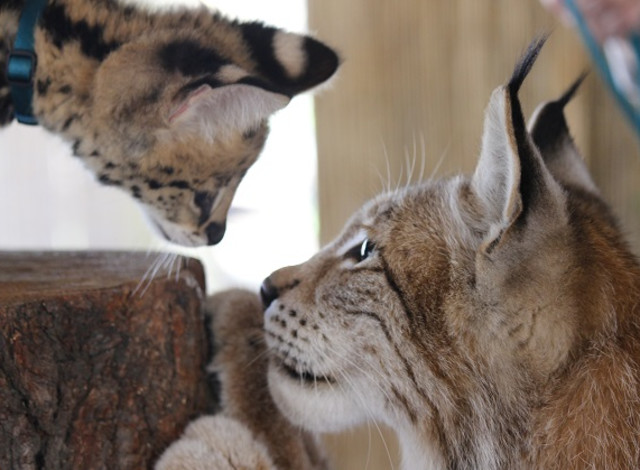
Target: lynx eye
[(366, 249), (361, 251)]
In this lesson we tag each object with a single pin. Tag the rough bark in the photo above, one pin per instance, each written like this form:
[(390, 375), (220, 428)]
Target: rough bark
[(94, 374)]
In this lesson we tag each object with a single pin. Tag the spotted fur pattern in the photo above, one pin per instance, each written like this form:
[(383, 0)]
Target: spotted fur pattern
[(171, 106), (492, 321)]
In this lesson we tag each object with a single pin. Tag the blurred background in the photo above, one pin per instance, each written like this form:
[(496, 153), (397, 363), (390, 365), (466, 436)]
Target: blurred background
[(415, 79)]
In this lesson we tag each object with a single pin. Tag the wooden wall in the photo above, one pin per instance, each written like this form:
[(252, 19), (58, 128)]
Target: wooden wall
[(423, 70), (415, 79)]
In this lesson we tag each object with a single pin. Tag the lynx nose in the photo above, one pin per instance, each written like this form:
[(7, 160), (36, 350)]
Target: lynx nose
[(268, 292), (215, 232)]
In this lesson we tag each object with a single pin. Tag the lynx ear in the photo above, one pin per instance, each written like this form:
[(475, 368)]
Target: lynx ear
[(550, 133), (496, 179), (213, 108), (511, 179)]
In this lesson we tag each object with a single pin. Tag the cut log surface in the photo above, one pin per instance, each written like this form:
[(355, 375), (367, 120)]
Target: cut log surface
[(97, 371)]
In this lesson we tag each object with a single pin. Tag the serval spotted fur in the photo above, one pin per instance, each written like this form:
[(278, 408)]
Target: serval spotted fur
[(170, 105)]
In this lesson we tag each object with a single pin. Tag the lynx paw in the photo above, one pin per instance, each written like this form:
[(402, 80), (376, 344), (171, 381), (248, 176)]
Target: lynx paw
[(250, 432), (240, 362), (216, 443)]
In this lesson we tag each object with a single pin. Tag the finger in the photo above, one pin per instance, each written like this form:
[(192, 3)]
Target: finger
[(558, 8)]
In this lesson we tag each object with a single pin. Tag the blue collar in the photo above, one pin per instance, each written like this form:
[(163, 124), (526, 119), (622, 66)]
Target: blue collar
[(21, 66)]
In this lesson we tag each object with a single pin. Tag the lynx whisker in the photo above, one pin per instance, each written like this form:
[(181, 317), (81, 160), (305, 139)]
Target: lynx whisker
[(436, 168), (399, 184), (267, 351), (385, 184), (372, 378), (414, 157), (365, 406), (335, 367), (423, 156), (409, 164), (371, 421), (369, 445)]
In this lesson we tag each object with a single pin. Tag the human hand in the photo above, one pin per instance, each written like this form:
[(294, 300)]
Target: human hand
[(605, 18)]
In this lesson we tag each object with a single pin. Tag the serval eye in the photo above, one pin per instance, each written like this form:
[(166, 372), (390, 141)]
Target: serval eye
[(366, 249)]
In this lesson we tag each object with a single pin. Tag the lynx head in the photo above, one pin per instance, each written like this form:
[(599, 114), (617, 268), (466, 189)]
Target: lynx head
[(171, 106), (441, 306)]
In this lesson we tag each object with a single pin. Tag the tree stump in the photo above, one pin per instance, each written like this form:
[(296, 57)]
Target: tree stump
[(95, 374)]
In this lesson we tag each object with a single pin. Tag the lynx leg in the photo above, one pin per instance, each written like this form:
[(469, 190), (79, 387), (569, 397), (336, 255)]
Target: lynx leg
[(216, 443), (241, 362)]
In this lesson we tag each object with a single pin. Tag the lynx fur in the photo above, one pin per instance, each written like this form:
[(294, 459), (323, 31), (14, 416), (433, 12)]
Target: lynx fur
[(492, 321)]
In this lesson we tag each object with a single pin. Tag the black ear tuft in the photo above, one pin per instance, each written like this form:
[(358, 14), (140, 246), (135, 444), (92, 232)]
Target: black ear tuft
[(520, 72), (535, 183), (525, 63), (551, 136), (550, 126), (568, 95)]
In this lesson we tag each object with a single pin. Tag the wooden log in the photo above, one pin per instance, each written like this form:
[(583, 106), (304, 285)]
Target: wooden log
[(95, 374)]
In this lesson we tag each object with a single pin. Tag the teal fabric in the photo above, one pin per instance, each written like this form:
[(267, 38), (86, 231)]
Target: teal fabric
[(22, 62)]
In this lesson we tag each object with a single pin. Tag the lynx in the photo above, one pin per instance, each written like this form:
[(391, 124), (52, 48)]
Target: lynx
[(492, 321), (171, 106)]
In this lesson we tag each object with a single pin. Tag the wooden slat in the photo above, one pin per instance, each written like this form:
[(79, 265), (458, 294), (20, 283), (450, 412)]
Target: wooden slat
[(27, 275)]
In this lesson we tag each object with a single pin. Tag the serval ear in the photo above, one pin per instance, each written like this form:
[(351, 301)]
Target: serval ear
[(292, 62), (550, 133), (232, 101), (178, 87), (511, 179)]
